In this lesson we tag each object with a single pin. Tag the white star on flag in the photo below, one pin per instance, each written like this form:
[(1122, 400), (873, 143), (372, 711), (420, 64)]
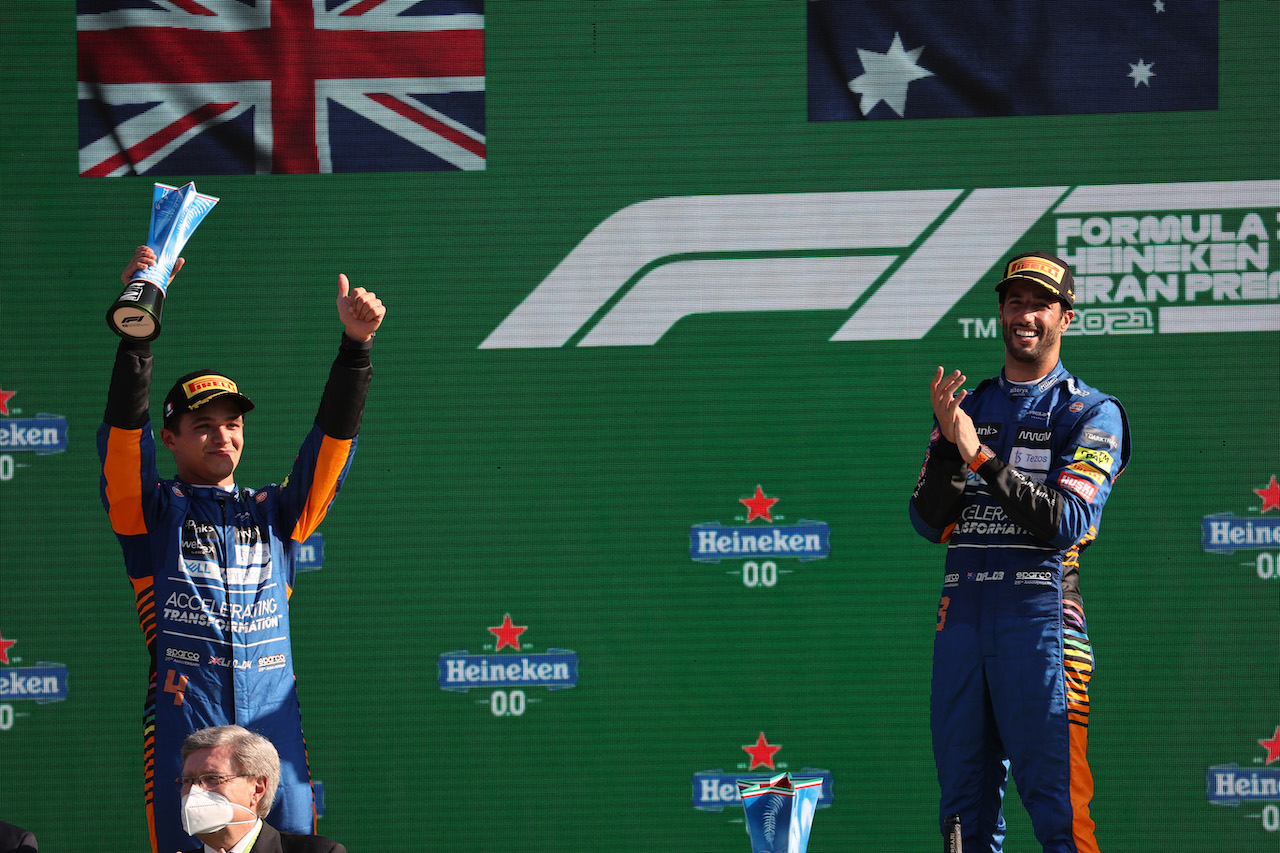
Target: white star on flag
[(885, 76), (1142, 73)]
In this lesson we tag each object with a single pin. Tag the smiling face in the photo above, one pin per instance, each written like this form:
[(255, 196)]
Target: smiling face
[(206, 443), (1032, 321)]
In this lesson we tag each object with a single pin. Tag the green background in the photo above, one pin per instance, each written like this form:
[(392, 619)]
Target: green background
[(559, 485)]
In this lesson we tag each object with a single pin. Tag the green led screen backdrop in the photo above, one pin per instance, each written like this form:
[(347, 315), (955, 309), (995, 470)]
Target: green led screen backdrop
[(647, 279)]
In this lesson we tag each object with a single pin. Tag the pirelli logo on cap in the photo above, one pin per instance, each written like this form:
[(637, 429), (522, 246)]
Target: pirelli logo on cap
[(198, 388), (1040, 265), (204, 384)]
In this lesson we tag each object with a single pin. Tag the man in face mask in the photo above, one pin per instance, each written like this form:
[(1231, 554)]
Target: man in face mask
[(228, 783)]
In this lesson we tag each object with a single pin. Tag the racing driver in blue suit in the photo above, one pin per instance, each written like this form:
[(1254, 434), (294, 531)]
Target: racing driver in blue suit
[(1014, 481), (213, 565)]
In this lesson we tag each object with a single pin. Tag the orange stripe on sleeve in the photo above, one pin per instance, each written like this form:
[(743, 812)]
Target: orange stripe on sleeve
[(122, 469), (333, 456)]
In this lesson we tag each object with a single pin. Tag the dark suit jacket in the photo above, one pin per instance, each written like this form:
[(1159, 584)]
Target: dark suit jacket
[(271, 840), (14, 839)]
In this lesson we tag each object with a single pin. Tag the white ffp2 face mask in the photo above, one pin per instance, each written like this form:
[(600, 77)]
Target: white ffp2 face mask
[(208, 811)]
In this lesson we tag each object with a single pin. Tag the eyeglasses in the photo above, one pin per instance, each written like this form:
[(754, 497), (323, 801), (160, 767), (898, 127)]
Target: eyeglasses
[(208, 781)]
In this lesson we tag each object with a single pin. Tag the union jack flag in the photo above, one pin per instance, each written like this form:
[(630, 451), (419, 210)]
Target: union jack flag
[(201, 87)]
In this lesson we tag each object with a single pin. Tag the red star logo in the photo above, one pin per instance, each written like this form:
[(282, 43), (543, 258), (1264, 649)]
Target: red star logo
[(1272, 745), (4, 649), (5, 396), (508, 634), (761, 753), (758, 506), (1270, 495)]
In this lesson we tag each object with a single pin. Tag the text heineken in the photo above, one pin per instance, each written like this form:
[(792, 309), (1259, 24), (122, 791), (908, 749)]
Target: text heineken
[(1229, 785), (712, 542), (43, 684), (1227, 533), (555, 669)]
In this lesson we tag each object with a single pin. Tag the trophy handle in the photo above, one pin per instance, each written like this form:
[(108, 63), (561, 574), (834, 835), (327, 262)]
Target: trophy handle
[(135, 315)]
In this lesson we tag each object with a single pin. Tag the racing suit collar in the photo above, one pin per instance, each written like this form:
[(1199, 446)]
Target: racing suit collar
[(1035, 387), (214, 492)]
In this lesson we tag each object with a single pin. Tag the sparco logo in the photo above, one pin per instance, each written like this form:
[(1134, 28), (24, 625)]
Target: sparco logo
[(1187, 257), (182, 655)]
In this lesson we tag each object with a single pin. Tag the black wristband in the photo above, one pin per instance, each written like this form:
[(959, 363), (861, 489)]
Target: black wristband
[(351, 343)]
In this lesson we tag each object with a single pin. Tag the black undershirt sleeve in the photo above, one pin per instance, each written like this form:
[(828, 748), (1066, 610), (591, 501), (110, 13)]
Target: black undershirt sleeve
[(130, 386), (342, 403), (1032, 505), (939, 495)]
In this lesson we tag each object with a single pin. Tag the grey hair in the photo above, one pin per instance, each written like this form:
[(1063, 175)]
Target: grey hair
[(251, 753)]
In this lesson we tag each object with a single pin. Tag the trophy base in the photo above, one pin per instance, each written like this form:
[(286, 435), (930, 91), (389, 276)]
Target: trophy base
[(135, 316)]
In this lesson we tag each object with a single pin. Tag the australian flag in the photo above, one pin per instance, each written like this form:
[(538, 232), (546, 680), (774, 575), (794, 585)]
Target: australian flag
[(887, 59), (202, 87)]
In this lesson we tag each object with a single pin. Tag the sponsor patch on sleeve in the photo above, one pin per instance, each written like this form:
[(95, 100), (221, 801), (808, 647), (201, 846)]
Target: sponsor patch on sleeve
[(1091, 437), (1084, 469), (1078, 486), (1100, 458)]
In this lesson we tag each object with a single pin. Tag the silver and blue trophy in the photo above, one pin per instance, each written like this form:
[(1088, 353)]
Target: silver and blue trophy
[(780, 812), (175, 213)]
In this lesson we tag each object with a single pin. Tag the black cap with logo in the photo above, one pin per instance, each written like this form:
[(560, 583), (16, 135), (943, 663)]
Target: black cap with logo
[(199, 387), (1044, 269)]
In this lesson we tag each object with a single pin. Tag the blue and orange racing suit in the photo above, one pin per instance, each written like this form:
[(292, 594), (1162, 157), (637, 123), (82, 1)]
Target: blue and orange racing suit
[(212, 571), (1012, 658)]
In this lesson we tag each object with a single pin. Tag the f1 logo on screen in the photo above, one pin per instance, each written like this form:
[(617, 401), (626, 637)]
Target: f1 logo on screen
[(1176, 257)]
